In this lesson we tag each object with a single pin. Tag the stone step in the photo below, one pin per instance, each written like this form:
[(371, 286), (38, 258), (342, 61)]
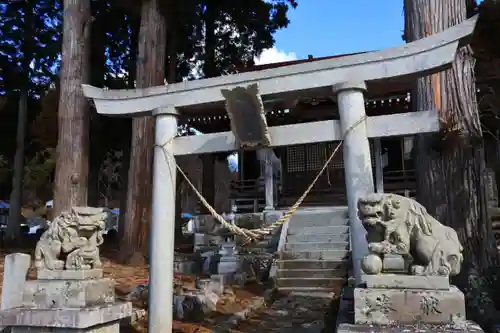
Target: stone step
[(262, 244), (308, 264), (293, 246), (321, 209), (328, 230), (318, 220), (343, 213), (321, 238), (324, 255), (328, 223), (305, 291), (331, 282), (326, 294), (313, 273), (249, 249)]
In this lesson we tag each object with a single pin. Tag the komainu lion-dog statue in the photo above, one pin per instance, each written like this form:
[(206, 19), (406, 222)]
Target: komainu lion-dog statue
[(72, 240), (400, 225)]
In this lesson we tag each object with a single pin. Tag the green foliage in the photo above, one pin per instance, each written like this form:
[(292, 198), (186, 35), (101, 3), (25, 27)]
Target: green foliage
[(29, 32), (109, 176), (39, 169), (4, 169), (241, 31)]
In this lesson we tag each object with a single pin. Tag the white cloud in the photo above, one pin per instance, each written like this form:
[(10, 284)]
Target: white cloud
[(273, 55)]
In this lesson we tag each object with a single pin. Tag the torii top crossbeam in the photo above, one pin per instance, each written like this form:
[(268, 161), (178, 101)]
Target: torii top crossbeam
[(422, 57)]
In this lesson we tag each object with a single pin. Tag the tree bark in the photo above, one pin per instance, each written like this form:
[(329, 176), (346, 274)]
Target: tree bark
[(14, 223), (172, 78), (71, 178), (150, 72), (209, 70), (450, 165), (97, 150), (132, 68)]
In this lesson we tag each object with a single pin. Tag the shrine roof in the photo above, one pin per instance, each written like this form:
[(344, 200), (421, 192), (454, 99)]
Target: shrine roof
[(293, 62), (385, 92)]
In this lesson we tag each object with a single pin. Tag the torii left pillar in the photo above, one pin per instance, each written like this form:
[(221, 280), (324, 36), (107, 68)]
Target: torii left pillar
[(162, 230)]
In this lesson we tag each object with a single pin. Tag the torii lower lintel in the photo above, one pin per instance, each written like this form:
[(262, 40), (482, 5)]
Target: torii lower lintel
[(318, 131)]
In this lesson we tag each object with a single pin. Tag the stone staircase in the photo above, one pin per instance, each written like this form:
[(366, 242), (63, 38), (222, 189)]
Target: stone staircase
[(314, 256)]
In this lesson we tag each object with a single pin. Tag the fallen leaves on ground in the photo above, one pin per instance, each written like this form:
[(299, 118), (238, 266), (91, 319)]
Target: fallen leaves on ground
[(128, 277)]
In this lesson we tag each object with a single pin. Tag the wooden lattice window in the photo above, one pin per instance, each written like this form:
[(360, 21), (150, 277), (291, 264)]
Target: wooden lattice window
[(311, 157), (295, 157), (338, 160), (315, 157)]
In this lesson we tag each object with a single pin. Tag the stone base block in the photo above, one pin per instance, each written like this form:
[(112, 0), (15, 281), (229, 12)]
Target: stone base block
[(227, 266), (467, 327), (88, 274), (398, 281), (185, 267), (48, 294), (408, 306), (394, 263), (113, 327), (65, 318)]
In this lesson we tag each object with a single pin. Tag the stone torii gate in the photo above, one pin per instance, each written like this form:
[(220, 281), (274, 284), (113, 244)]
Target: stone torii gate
[(347, 77)]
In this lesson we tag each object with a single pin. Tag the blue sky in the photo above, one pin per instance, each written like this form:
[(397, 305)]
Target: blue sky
[(328, 27)]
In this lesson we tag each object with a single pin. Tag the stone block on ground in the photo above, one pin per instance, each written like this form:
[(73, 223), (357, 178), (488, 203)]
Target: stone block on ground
[(408, 306), (47, 294), (15, 270), (88, 274), (185, 267), (228, 265), (113, 327), (194, 306), (398, 281), (240, 279), (65, 318), (468, 327), (201, 239), (272, 216), (217, 283)]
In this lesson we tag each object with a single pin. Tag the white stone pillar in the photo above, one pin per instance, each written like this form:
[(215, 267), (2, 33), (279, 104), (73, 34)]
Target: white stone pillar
[(357, 163), (268, 179), (14, 276), (379, 167), (161, 242)]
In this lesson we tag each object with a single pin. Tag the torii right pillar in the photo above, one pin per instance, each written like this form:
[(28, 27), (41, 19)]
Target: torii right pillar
[(357, 163)]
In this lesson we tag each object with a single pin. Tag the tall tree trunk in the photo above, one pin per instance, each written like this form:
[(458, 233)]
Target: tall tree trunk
[(132, 68), (150, 72), (16, 196), (73, 141), (209, 65), (209, 70), (97, 150), (451, 170), (171, 65)]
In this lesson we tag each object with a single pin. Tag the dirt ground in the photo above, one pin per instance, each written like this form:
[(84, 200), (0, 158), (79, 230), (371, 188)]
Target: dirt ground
[(127, 278)]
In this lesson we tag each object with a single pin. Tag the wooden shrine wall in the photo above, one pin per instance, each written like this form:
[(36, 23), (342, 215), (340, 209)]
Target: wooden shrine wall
[(301, 164)]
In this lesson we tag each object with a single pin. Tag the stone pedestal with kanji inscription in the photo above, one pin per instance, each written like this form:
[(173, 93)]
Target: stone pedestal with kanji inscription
[(397, 303)]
